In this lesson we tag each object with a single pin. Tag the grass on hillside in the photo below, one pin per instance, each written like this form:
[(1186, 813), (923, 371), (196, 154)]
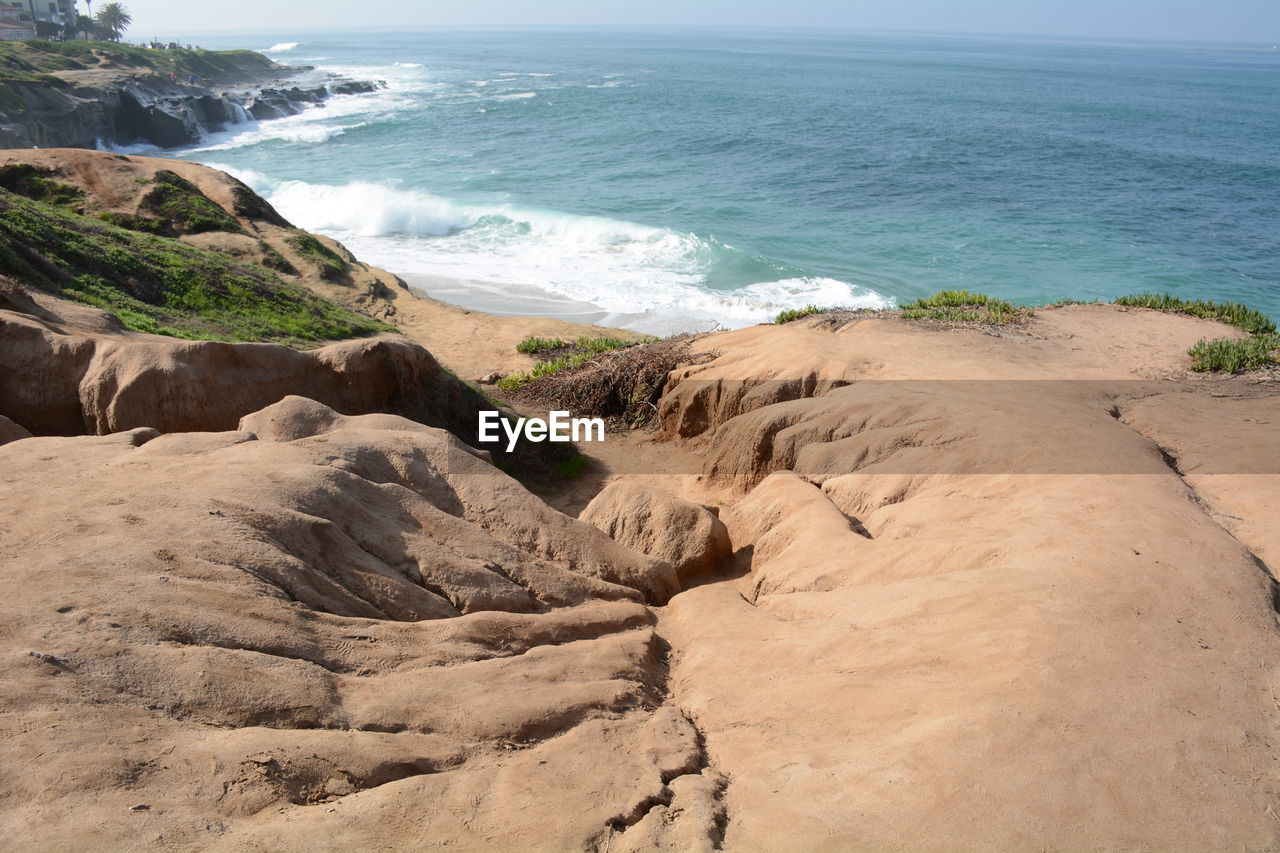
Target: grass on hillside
[(532, 345), (161, 285), (1235, 314), (38, 184), (35, 59), (331, 264), (175, 200), (571, 354), (961, 306), (133, 222), (797, 313), (1233, 356), (1223, 355), (539, 346)]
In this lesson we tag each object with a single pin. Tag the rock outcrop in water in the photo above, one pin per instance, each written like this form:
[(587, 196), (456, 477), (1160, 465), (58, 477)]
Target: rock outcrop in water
[(87, 109)]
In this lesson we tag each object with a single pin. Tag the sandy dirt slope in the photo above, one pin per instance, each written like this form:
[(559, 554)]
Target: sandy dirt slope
[(985, 613)]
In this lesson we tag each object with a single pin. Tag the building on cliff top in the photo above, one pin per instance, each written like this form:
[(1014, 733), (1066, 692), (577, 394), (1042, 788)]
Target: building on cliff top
[(15, 23), (27, 12)]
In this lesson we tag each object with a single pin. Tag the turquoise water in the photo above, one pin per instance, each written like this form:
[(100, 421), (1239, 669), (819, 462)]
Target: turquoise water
[(684, 179)]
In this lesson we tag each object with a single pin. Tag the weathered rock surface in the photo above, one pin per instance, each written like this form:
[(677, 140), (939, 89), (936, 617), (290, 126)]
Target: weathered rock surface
[(60, 380), (644, 519), (85, 108), (224, 637), (990, 590), (9, 431)]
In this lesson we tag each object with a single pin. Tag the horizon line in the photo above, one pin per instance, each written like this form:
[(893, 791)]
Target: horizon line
[(1266, 44)]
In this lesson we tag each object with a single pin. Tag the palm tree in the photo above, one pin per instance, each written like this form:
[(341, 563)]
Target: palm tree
[(114, 19), (88, 4)]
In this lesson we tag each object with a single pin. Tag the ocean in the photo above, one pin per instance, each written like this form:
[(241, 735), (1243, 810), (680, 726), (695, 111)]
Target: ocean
[(686, 180)]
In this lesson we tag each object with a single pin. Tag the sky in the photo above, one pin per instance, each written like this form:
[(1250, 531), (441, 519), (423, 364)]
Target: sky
[(1175, 20)]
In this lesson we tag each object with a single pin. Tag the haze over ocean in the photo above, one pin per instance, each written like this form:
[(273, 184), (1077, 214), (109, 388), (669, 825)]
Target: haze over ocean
[(675, 179)]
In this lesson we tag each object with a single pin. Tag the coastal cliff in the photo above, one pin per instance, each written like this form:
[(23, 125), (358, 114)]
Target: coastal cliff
[(958, 578), (85, 94)]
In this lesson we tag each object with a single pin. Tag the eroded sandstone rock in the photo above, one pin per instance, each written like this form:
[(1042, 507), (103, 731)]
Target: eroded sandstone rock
[(684, 534), (299, 640)]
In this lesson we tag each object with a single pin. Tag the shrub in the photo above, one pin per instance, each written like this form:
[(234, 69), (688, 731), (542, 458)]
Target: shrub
[(961, 306), (599, 345), (1235, 314), (1233, 356), (516, 381), (622, 385), (797, 313), (532, 345), (572, 354)]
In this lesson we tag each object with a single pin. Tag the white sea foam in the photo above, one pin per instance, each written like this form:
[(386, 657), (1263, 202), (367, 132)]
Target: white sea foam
[(643, 277), (143, 148), (283, 47), (280, 130), (367, 209), (253, 178)]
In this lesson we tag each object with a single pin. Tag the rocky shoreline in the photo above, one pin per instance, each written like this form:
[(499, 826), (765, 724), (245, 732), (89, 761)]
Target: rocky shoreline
[(93, 109)]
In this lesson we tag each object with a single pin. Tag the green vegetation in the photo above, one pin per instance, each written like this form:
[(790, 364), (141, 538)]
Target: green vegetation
[(594, 346), (572, 354), (273, 260), (516, 381), (1235, 314), (1223, 355), (1232, 356), (332, 265), (160, 285), (248, 204), (797, 313), (621, 385), (532, 345), (133, 222), (180, 203), (30, 59), (599, 345), (961, 306), (38, 184), (112, 20)]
